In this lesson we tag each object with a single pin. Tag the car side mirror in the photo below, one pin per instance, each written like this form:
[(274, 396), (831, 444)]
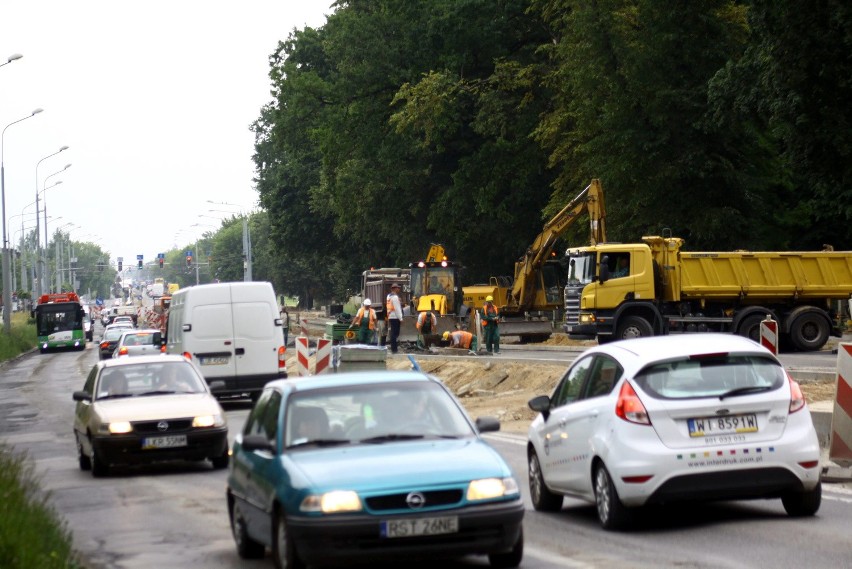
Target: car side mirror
[(540, 404), (487, 424), (257, 442), (81, 396)]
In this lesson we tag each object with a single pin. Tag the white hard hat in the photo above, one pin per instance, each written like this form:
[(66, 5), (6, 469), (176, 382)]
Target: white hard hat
[(367, 302)]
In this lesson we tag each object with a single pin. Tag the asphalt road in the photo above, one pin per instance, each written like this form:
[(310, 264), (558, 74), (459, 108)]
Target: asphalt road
[(175, 515)]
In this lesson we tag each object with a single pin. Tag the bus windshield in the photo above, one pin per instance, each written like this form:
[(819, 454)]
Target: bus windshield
[(58, 318)]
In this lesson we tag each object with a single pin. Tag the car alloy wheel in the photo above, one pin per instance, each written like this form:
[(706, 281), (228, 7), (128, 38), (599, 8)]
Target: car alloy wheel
[(611, 512), (247, 548), (543, 499), (283, 550)]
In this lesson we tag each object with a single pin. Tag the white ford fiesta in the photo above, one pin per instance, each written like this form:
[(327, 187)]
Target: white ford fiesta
[(670, 419)]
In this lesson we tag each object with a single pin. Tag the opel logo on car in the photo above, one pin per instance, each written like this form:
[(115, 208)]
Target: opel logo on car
[(415, 500), (163, 426)]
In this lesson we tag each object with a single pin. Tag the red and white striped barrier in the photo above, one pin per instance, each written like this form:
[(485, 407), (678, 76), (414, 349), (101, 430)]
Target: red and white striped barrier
[(302, 366), (769, 334), (303, 323), (323, 359), (840, 445)]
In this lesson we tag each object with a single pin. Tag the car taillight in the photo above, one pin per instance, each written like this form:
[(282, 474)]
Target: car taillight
[(797, 399), (187, 355), (122, 351), (282, 357), (104, 345), (163, 349), (629, 407)]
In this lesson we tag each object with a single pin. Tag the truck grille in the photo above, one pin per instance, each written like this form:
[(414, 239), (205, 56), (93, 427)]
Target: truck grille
[(572, 304)]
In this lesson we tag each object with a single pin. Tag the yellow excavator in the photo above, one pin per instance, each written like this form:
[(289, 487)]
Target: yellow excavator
[(529, 302)]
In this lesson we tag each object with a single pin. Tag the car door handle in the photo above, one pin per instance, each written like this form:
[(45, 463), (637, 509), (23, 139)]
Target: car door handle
[(239, 351)]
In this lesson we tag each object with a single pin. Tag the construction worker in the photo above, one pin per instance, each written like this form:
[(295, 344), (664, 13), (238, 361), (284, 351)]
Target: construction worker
[(427, 323), (461, 339), (365, 320), (393, 310), (490, 315)]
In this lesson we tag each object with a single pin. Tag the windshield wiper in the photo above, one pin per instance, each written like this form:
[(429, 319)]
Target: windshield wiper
[(745, 391), (115, 396), (158, 392), (321, 443), (392, 437)]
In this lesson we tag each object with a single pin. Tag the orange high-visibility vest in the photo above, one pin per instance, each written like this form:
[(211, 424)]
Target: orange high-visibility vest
[(486, 309), (462, 339), (360, 314)]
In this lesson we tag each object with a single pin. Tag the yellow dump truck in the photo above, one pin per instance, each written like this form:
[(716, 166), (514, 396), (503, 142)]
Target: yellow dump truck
[(619, 291)]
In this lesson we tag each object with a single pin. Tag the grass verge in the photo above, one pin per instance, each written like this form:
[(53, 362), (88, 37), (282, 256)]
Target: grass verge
[(32, 536), (21, 337)]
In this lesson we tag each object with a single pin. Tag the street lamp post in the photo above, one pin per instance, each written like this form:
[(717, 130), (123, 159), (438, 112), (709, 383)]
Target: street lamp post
[(59, 268), (44, 208), (39, 264), (7, 290), (247, 272), (11, 58)]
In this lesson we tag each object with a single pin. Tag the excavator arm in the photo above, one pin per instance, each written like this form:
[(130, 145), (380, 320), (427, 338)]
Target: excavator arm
[(528, 267)]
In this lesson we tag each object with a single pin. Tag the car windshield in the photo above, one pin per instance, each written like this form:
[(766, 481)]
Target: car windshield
[(373, 414), (148, 379), (113, 334), (715, 375), (141, 339)]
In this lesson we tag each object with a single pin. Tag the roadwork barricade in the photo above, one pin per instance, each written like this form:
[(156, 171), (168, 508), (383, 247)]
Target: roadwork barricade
[(840, 446)]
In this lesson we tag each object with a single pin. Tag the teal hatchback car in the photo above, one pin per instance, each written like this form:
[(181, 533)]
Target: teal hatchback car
[(370, 466)]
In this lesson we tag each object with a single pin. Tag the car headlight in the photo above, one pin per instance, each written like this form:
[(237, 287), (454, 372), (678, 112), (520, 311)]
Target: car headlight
[(489, 488), (332, 502), (119, 427), (208, 421)]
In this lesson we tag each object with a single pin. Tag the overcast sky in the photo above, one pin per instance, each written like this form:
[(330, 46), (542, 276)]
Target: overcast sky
[(154, 100)]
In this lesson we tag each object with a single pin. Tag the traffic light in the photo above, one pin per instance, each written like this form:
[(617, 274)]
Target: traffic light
[(161, 262), (189, 260), (119, 265), (139, 264)]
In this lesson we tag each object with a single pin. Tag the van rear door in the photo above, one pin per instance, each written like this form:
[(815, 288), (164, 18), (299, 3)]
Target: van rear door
[(256, 338), (212, 339)]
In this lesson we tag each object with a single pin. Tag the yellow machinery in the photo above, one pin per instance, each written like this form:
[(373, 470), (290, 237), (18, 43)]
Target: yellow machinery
[(666, 290), (432, 283), (538, 283)]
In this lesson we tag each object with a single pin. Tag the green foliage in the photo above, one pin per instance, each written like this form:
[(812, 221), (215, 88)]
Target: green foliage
[(794, 82), (472, 122), (31, 534), (21, 338)]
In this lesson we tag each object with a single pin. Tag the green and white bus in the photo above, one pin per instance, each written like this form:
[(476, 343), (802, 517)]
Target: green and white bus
[(59, 322)]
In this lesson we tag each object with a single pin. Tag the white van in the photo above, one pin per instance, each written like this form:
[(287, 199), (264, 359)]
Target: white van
[(232, 331)]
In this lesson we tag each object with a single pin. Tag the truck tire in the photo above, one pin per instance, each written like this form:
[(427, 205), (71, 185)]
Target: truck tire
[(634, 327), (750, 327), (809, 331)]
